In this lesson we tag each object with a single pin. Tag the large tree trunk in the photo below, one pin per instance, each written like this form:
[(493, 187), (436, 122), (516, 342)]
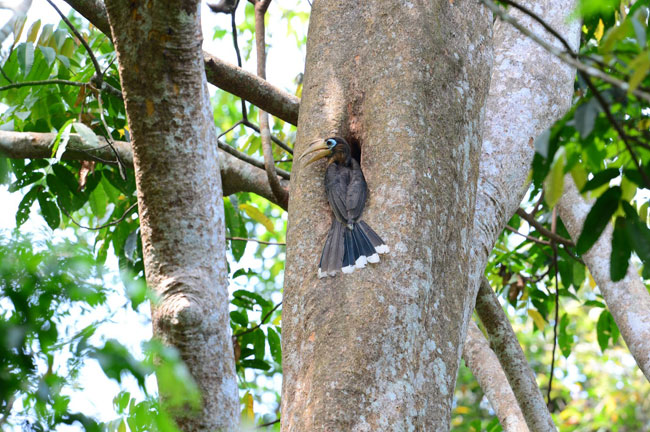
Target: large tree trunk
[(379, 349), (179, 196)]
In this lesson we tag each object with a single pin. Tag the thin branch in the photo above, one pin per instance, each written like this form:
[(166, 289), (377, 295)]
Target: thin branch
[(115, 222), (276, 140), (543, 231), (235, 43), (262, 321), (280, 192), (109, 139), (43, 82), (535, 239), (557, 308), (271, 423), (248, 159), (256, 241), (567, 58)]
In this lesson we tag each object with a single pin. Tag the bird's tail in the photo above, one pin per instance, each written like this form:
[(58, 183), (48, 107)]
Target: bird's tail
[(349, 248)]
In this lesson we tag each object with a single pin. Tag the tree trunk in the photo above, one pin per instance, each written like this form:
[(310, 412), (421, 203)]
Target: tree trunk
[(179, 195), (379, 349)]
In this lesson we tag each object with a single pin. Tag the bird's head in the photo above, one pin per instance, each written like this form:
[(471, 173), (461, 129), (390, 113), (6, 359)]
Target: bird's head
[(336, 148)]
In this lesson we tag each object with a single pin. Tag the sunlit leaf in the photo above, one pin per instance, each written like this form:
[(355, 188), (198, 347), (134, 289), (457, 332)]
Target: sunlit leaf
[(540, 323), (554, 182), (257, 216)]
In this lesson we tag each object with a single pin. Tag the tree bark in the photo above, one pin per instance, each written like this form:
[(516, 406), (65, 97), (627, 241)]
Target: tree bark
[(379, 349), (628, 299), (485, 366), (180, 204)]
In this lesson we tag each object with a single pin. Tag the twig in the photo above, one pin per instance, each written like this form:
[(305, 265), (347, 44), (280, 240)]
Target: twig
[(44, 82), (279, 192), (230, 128), (4, 74), (269, 423), (276, 140), (565, 57), (115, 222), (256, 241), (109, 138), (535, 239), (543, 231), (264, 318), (244, 114), (557, 308), (251, 160)]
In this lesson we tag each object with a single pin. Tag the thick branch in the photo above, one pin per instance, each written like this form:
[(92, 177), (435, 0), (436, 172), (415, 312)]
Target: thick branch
[(236, 175), (513, 361), (222, 74), (628, 299), (484, 364)]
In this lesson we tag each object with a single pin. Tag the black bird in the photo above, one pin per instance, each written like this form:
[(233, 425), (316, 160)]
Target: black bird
[(350, 243)]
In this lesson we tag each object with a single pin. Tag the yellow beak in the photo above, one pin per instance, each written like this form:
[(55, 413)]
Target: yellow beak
[(321, 150)]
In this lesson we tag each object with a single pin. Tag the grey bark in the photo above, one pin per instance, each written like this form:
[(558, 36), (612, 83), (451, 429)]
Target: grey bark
[(628, 299), (529, 90), (485, 366), (180, 203), (379, 349)]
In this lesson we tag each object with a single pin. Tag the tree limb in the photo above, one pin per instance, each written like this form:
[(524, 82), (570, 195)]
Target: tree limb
[(485, 367), (236, 175), (628, 299), (513, 361)]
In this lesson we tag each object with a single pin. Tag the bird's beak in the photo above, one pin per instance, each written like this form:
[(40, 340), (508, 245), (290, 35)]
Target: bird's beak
[(321, 150)]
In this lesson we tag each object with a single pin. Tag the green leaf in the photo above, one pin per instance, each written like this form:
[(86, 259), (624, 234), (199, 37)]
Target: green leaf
[(565, 338), (275, 345), (25, 55), (253, 296), (603, 331), (46, 34), (600, 178), (22, 214), (621, 251), (49, 210), (598, 218), (255, 364), (87, 135), (48, 53), (68, 48), (61, 140), (33, 31), (585, 117), (554, 182), (240, 318), (640, 65), (236, 228), (638, 233), (257, 216), (639, 30), (259, 343)]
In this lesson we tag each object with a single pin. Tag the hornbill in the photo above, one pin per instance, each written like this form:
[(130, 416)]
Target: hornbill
[(350, 243)]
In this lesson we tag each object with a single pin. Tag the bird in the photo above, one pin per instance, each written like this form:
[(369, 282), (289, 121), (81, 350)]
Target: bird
[(350, 243)]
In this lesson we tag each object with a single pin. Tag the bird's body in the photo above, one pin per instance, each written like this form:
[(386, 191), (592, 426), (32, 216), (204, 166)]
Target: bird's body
[(350, 243)]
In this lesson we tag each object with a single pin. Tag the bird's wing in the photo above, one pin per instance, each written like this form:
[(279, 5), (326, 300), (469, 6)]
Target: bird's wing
[(357, 192), (336, 186)]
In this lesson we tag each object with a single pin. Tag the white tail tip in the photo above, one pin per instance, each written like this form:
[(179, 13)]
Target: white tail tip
[(382, 249)]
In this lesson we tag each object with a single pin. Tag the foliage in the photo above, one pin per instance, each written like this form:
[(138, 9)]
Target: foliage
[(46, 284)]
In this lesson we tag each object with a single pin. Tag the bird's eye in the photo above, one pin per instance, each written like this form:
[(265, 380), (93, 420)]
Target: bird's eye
[(331, 143)]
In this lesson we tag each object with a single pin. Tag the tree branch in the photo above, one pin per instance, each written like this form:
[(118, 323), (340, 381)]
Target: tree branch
[(43, 82), (543, 231), (485, 367), (236, 175), (513, 361), (269, 163)]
